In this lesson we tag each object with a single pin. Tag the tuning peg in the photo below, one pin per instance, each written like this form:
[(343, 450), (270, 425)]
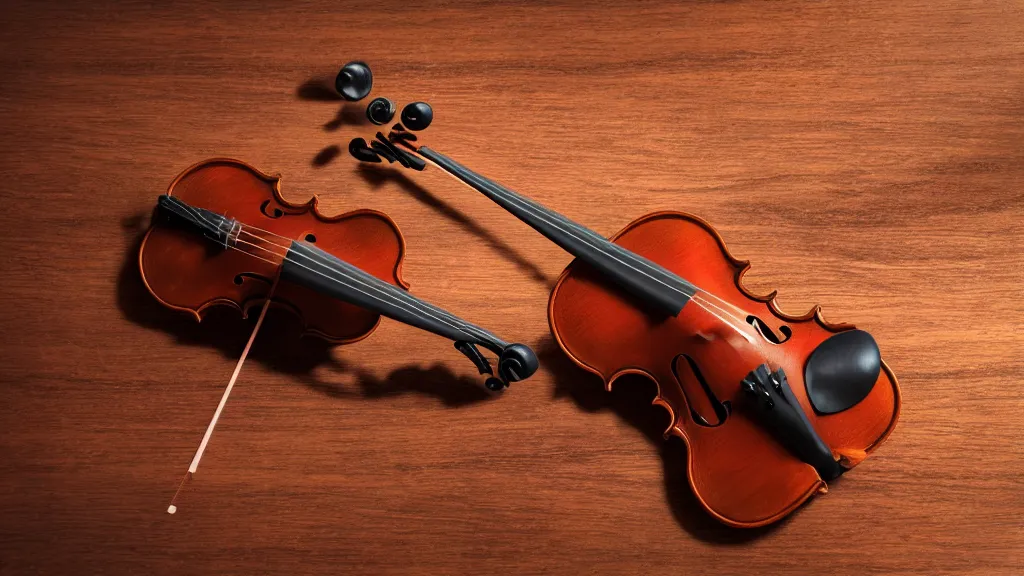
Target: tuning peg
[(417, 116), (403, 157), (354, 81), (380, 111), (398, 134)]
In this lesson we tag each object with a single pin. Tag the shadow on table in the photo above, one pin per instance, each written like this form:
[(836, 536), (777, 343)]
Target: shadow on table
[(280, 346), (377, 176), (630, 400), (321, 89)]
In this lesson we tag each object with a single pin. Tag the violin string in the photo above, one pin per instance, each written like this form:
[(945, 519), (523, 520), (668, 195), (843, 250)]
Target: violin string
[(743, 323), (411, 305), (599, 241), (421, 308), (568, 227), (194, 465), (403, 299), (544, 215), (740, 332), (344, 276)]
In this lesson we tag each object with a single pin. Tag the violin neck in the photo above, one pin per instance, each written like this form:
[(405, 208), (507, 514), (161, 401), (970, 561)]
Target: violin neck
[(637, 275), (311, 267), (306, 265)]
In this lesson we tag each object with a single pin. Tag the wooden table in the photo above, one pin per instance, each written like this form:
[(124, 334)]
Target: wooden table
[(867, 156)]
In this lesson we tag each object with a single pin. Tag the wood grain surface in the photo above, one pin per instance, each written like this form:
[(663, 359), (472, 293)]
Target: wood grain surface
[(867, 156)]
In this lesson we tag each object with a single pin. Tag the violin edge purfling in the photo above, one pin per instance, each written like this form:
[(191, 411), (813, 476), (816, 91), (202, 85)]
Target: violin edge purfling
[(304, 264), (885, 400)]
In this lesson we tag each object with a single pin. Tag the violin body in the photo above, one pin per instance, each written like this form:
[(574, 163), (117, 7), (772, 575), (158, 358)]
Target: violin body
[(771, 406), (185, 271), (741, 475), (223, 235)]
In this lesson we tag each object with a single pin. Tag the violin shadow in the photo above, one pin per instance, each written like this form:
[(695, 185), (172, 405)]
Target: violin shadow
[(630, 400), (437, 381), (318, 89), (377, 176), (326, 156), (321, 89), (280, 346), (350, 114)]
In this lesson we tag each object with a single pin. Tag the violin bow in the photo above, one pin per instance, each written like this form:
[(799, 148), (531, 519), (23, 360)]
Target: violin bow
[(194, 465)]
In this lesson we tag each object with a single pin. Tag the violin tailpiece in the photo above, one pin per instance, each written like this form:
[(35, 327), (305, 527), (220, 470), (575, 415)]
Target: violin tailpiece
[(779, 412)]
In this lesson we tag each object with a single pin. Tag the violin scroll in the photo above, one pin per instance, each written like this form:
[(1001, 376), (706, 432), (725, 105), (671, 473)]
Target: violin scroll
[(517, 362)]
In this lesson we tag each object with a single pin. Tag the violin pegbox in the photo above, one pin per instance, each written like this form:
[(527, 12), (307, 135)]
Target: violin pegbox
[(354, 82), (387, 147)]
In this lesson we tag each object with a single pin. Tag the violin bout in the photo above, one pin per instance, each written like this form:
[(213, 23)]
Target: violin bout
[(744, 472), (187, 272)]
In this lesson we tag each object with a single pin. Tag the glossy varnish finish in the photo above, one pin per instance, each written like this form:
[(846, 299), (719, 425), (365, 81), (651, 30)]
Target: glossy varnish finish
[(186, 271), (865, 156), (739, 473)]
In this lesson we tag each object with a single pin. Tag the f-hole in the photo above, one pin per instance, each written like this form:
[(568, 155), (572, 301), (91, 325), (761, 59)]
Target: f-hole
[(275, 213), (767, 332), (721, 409), (240, 278)]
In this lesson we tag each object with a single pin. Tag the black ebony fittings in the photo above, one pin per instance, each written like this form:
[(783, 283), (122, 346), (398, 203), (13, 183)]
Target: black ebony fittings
[(380, 111), (383, 148), (417, 116), (361, 151), (354, 81)]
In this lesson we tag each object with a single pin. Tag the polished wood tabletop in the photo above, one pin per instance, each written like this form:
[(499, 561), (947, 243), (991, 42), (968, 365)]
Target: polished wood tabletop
[(867, 156)]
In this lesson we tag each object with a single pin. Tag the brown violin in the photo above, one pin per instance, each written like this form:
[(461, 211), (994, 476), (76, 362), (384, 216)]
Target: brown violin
[(771, 406), (223, 235)]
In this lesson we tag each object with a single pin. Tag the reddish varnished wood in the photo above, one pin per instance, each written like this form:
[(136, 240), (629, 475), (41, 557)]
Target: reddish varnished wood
[(739, 473), (875, 143), (184, 271)]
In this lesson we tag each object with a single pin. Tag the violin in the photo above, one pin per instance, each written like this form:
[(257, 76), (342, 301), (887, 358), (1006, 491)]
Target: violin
[(771, 406), (223, 235)]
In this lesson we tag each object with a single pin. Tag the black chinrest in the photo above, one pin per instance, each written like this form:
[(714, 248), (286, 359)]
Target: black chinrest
[(841, 371)]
